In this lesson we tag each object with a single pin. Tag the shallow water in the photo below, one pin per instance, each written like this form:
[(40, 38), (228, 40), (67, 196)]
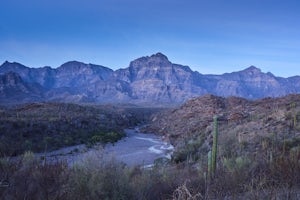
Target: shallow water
[(135, 149)]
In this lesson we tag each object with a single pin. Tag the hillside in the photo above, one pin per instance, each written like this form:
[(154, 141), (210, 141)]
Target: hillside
[(245, 127), (149, 80), (40, 127)]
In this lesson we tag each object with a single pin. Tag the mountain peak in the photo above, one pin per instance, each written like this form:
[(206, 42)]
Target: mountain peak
[(252, 69), (71, 66), (6, 63), (71, 63), (159, 55), (157, 59)]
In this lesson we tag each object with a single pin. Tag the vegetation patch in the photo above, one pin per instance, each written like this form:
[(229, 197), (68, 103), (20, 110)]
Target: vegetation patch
[(41, 127)]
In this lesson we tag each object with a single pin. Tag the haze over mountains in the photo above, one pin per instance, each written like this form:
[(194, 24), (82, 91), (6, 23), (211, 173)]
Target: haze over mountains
[(151, 79)]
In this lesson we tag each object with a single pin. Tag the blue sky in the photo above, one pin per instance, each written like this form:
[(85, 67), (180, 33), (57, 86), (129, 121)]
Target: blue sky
[(210, 36)]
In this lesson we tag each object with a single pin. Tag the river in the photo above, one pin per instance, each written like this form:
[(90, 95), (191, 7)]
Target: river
[(134, 149)]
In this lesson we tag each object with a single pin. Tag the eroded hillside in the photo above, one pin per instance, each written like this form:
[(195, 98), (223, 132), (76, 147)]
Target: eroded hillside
[(245, 127)]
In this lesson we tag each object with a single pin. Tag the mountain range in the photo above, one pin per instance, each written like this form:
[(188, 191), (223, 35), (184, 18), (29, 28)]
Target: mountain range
[(148, 80)]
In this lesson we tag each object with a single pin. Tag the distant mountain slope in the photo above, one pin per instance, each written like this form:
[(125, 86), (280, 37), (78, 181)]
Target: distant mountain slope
[(150, 79), (250, 83), (13, 88)]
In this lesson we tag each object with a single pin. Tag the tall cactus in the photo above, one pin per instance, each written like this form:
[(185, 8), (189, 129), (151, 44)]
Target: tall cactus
[(295, 120), (209, 166), (215, 145)]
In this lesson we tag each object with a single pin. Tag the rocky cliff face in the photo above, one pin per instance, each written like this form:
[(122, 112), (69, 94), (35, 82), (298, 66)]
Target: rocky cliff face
[(156, 79), (150, 79)]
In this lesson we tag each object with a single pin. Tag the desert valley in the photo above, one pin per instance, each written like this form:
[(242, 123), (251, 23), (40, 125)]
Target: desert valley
[(153, 130)]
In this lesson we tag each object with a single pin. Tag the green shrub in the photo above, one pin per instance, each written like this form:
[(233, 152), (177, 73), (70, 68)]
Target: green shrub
[(190, 151)]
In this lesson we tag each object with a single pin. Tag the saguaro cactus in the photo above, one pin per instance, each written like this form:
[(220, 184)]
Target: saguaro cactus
[(215, 145), (209, 166), (295, 120)]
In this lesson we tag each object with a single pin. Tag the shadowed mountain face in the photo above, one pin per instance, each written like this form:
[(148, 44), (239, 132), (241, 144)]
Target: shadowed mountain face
[(13, 88), (151, 79)]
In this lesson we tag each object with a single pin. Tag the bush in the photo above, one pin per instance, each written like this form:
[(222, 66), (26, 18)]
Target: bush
[(101, 137), (96, 178)]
